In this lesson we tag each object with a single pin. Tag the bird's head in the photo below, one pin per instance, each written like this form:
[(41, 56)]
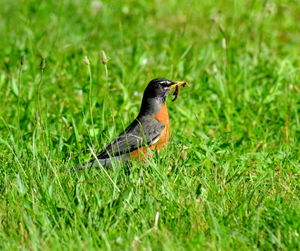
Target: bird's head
[(156, 92)]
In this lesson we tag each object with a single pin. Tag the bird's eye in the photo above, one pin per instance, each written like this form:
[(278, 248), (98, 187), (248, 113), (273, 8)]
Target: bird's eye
[(165, 83)]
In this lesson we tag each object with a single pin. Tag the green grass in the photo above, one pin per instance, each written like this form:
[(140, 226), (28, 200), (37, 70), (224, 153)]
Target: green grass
[(229, 179)]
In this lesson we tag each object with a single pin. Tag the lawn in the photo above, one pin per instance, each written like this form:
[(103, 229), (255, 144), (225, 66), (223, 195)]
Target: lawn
[(230, 176)]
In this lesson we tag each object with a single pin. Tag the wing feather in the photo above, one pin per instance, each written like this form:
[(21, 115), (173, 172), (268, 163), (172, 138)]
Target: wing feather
[(142, 131)]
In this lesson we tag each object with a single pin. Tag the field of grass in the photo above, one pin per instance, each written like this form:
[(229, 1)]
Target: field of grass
[(229, 178)]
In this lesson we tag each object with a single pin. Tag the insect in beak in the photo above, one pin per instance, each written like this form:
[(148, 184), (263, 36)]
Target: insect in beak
[(176, 85)]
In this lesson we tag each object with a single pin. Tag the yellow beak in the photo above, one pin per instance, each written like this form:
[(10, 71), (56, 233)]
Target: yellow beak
[(177, 84)]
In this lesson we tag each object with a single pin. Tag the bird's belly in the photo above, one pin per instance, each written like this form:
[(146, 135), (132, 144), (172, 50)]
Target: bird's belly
[(144, 151), (163, 117)]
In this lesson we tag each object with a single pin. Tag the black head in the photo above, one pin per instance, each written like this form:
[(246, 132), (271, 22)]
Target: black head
[(155, 94), (158, 88)]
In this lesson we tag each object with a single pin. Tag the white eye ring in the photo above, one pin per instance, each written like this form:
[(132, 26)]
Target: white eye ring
[(165, 82)]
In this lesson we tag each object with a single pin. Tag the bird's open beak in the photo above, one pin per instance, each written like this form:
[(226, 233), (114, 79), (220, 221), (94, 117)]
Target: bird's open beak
[(177, 84)]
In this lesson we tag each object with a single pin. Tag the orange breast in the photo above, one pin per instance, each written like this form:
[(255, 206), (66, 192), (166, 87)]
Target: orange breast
[(163, 117)]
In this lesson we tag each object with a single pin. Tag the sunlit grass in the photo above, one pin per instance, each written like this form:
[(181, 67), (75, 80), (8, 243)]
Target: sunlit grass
[(229, 178)]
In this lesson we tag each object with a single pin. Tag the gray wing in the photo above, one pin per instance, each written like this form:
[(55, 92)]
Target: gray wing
[(142, 131)]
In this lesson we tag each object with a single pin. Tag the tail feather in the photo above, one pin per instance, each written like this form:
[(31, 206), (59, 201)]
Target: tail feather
[(94, 163)]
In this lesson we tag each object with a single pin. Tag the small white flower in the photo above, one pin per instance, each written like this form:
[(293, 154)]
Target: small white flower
[(96, 5), (138, 94), (144, 61), (119, 240)]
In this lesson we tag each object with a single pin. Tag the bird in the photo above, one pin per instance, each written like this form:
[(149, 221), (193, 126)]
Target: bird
[(149, 130)]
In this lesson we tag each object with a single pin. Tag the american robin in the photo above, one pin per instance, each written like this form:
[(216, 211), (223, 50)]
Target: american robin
[(150, 129)]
